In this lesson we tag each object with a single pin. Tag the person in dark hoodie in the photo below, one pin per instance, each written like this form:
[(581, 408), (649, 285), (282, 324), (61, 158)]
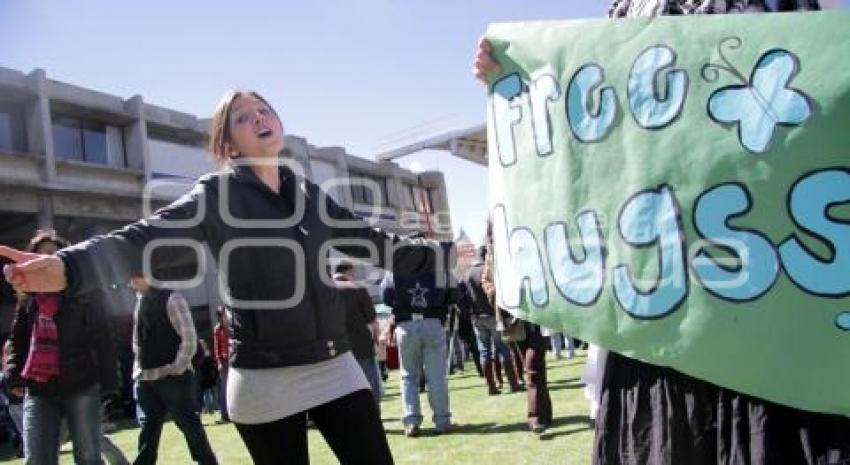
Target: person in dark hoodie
[(270, 230), (62, 354)]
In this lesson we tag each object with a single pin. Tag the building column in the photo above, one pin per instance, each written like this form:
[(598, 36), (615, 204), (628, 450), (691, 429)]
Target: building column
[(39, 131), (44, 219), (136, 138), (38, 123)]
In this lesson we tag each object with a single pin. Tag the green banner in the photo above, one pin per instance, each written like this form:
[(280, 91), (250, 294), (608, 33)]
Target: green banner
[(677, 190)]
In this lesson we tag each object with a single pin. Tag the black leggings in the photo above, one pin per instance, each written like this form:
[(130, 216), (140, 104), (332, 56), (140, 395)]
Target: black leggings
[(350, 425)]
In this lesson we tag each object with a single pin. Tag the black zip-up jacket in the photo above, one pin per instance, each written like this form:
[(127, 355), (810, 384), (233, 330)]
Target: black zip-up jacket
[(86, 350), (268, 247)]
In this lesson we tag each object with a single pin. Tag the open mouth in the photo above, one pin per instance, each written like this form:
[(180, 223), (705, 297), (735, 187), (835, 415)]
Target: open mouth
[(264, 133)]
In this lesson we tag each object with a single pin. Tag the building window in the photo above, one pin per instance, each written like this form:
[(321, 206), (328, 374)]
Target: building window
[(88, 141), (362, 194), (12, 134)]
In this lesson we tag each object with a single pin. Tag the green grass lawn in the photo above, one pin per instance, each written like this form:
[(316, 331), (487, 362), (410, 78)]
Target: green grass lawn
[(492, 430)]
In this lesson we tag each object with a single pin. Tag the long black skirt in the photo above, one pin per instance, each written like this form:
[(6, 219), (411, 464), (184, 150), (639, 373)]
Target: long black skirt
[(651, 415)]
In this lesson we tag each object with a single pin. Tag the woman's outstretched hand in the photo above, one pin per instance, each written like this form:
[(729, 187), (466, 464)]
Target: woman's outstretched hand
[(32, 272), (484, 64)]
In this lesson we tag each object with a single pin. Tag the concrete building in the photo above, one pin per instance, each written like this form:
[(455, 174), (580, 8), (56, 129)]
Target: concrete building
[(79, 161)]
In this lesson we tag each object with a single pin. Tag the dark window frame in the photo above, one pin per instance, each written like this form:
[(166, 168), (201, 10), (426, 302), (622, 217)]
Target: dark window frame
[(411, 190), (81, 126), (18, 127), (363, 195)]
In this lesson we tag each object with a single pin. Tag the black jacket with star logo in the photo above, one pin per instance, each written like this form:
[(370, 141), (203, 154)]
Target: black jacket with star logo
[(429, 294)]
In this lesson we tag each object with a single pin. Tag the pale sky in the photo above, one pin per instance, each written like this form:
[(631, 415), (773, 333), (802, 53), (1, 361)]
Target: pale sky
[(352, 73)]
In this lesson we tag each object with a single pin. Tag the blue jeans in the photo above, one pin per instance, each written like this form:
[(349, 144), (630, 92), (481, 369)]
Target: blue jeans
[(178, 396), (370, 369), (108, 449), (42, 417), (16, 414), (209, 400), (558, 345), (488, 338), (422, 343)]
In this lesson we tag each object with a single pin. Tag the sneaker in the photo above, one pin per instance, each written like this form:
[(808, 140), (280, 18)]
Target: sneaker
[(411, 431)]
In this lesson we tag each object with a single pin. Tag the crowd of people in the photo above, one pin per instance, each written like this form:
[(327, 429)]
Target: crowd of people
[(60, 364), (322, 361)]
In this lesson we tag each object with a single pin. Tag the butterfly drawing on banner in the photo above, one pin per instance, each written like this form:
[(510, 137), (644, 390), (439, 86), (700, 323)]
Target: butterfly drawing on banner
[(761, 103)]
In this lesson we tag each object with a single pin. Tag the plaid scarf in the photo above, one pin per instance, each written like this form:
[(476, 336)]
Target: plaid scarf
[(43, 359), (631, 8)]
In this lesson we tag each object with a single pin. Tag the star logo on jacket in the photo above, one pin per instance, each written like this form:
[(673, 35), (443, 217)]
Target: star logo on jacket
[(418, 296)]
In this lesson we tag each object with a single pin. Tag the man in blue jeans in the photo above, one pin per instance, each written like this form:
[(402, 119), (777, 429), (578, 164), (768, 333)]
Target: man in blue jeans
[(420, 304), (164, 341)]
